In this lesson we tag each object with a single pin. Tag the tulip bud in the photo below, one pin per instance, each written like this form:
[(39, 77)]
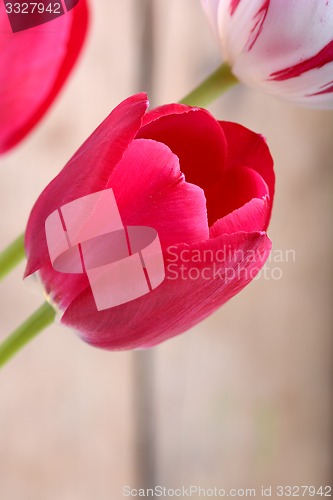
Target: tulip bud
[(283, 47)]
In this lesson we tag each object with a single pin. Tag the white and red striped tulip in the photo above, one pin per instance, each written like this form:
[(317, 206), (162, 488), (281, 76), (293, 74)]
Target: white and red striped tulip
[(284, 47)]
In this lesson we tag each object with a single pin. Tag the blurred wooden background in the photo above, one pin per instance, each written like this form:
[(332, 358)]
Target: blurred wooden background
[(242, 400)]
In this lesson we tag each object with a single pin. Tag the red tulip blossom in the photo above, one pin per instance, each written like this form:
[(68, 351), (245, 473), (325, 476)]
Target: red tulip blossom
[(206, 187), (35, 62)]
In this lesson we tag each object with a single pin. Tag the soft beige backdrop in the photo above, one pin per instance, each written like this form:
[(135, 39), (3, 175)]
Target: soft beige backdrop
[(242, 400)]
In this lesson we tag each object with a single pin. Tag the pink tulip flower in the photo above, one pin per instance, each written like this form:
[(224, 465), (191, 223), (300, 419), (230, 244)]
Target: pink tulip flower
[(34, 64), (205, 187)]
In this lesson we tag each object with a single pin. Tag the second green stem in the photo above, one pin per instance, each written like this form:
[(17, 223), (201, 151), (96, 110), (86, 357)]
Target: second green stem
[(36, 323), (11, 256)]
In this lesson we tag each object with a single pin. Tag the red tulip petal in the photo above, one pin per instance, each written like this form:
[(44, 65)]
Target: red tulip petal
[(88, 171), (151, 191), (165, 110), (248, 149), (237, 187), (194, 136), (249, 218), (34, 64), (177, 304)]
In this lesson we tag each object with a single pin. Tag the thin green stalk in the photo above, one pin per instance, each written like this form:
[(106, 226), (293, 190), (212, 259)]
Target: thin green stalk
[(11, 256), (37, 322), (213, 87)]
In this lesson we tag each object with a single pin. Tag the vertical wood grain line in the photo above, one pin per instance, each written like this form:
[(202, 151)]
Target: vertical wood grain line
[(143, 369)]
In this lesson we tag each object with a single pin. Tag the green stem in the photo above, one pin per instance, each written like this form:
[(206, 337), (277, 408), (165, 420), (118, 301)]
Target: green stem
[(37, 322), (11, 256), (210, 89)]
